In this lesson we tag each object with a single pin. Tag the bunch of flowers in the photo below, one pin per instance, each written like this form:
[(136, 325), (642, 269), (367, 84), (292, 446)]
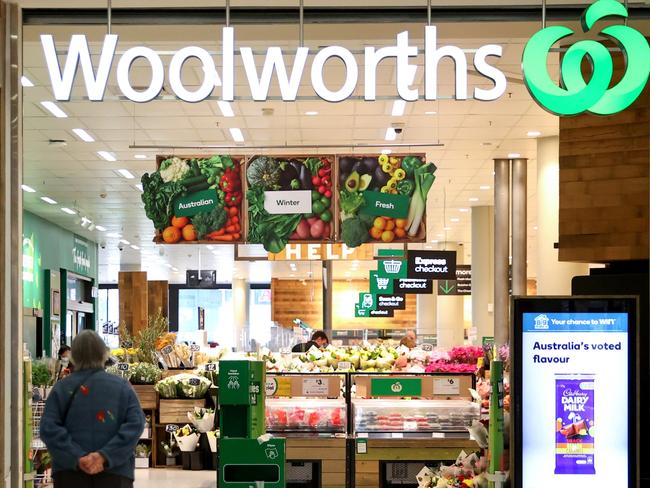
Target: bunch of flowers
[(466, 354), (442, 366), (467, 472)]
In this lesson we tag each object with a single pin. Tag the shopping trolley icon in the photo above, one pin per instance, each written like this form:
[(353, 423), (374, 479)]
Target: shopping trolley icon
[(382, 283), (392, 266)]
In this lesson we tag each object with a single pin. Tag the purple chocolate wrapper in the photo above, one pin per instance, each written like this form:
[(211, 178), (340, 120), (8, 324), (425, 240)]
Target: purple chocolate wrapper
[(574, 408)]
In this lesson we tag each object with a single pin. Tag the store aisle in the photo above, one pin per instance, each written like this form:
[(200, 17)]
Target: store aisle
[(174, 478)]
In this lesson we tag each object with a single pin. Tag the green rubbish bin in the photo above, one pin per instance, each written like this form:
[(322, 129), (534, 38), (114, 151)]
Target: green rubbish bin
[(241, 399), (247, 463)]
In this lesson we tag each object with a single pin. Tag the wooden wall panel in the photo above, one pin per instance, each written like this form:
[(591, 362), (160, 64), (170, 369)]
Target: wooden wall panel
[(158, 298), (604, 183), (134, 306), (291, 299)]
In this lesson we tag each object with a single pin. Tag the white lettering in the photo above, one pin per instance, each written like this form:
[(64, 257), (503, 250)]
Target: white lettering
[(313, 251), (274, 60), (432, 56), (351, 73), (157, 74), (405, 71), (228, 88), (292, 251), (496, 75), (210, 75)]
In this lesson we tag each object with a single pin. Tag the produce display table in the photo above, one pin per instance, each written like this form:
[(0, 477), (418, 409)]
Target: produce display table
[(368, 472)]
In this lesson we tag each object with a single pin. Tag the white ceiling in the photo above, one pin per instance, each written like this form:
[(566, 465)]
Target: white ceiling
[(473, 133)]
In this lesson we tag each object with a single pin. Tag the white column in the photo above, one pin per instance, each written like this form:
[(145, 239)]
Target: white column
[(450, 311), (240, 313), (426, 313), (483, 271), (553, 277)]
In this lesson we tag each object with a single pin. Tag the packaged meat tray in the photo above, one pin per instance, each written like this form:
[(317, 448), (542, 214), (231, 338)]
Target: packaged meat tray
[(305, 415)]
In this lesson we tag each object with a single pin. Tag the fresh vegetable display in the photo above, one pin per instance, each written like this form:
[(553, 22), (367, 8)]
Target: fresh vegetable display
[(406, 176), (313, 174), (206, 192)]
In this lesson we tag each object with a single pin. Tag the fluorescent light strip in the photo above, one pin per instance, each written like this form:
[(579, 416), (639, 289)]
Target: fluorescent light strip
[(124, 241), (455, 219), (484, 187), (139, 186), (28, 189), (391, 135), (514, 155), (54, 109), (126, 173), (236, 134), (386, 151), (430, 112), (113, 235), (226, 108), (140, 156), (533, 133), (83, 135), (106, 155), (134, 247), (49, 200), (68, 211), (100, 228), (399, 106), (473, 199), (26, 82), (463, 210), (311, 112)]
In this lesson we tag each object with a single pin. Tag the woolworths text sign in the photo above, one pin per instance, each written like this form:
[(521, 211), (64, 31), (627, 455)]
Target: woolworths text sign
[(570, 96)]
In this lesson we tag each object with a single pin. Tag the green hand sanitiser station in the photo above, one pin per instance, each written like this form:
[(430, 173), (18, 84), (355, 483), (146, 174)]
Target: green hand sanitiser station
[(247, 459)]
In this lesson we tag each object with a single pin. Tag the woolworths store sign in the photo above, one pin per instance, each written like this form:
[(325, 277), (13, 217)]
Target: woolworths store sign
[(571, 96)]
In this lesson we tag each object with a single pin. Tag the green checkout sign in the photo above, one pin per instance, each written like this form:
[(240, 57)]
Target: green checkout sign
[(386, 205), (201, 201)]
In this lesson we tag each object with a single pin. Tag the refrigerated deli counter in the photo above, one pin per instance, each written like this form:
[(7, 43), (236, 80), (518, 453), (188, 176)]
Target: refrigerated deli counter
[(368, 429)]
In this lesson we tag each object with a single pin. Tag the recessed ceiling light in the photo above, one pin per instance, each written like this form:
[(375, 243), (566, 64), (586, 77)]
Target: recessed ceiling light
[(126, 173), (26, 82), (514, 155), (386, 151), (83, 135), (124, 241), (210, 247), (54, 109), (49, 200), (168, 265), (454, 219), (391, 135), (311, 112), (133, 246), (69, 211), (484, 187), (440, 235), (139, 186), (236, 134), (463, 210), (473, 199), (447, 228), (226, 108), (85, 221), (533, 133), (430, 112), (28, 189), (434, 241), (175, 270), (485, 144), (140, 156), (535, 227), (113, 235), (398, 108), (106, 155), (291, 275), (100, 228)]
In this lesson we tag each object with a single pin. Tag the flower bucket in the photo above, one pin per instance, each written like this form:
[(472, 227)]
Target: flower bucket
[(187, 443), (202, 425), (212, 440)]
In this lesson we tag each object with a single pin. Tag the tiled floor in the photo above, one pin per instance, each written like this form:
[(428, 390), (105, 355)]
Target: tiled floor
[(174, 478)]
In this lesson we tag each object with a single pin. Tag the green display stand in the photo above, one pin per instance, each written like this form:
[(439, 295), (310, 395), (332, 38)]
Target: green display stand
[(250, 464), (245, 461)]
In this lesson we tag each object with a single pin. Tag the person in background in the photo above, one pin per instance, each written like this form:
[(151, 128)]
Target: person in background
[(64, 366), (92, 422), (318, 339), (409, 340)]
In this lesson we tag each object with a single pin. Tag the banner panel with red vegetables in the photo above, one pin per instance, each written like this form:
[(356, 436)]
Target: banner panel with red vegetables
[(195, 199), (383, 198), (289, 198)]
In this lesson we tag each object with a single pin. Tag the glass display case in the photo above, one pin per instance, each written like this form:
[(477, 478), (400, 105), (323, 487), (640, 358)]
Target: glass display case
[(421, 416), (284, 415)]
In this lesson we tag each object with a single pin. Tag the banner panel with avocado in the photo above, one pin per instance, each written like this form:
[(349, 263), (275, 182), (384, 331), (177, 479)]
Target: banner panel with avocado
[(290, 199), (195, 199), (383, 198)]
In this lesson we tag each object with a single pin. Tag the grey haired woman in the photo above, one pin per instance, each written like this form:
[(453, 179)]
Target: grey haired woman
[(92, 422)]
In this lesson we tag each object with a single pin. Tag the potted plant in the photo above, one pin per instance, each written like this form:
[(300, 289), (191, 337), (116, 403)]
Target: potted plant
[(41, 378), (142, 452), (171, 451)]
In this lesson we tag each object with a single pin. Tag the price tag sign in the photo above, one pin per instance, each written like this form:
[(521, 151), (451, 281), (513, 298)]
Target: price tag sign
[(167, 350), (211, 367), (195, 347), (397, 435), (122, 366), (194, 381), (446, 386), (344, 365), (437, 435), (427, 347), (314, 387), (410, 425), (171, 428)]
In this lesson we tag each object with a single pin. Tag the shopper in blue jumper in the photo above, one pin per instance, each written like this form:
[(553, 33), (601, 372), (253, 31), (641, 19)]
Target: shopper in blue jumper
[(92, 422)]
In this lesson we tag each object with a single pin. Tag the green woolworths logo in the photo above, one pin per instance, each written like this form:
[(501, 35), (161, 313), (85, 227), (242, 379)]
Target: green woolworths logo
[(575, 95)]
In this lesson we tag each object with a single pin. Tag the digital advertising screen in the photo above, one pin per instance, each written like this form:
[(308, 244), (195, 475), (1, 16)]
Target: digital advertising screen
[(575, 392)]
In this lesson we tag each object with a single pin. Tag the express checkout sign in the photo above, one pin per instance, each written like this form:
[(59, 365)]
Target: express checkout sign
[(575, 391)]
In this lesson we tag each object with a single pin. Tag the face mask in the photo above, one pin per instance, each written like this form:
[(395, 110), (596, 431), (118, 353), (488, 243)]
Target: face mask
[(65, 362)]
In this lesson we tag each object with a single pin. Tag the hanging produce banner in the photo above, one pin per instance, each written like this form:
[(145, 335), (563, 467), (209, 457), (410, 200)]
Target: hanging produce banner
[(323, 252), (306, 185), (391, 268), (194, 199), (391, 302), (432, 265), (383, 198), (413, 286)]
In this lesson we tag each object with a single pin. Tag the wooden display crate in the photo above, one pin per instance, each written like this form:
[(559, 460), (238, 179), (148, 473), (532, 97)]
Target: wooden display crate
[(175, 411), (147, 396), (367, 472), (331, 453)]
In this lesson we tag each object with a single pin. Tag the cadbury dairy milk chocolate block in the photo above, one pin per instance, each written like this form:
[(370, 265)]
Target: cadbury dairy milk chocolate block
[(574, 424)]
